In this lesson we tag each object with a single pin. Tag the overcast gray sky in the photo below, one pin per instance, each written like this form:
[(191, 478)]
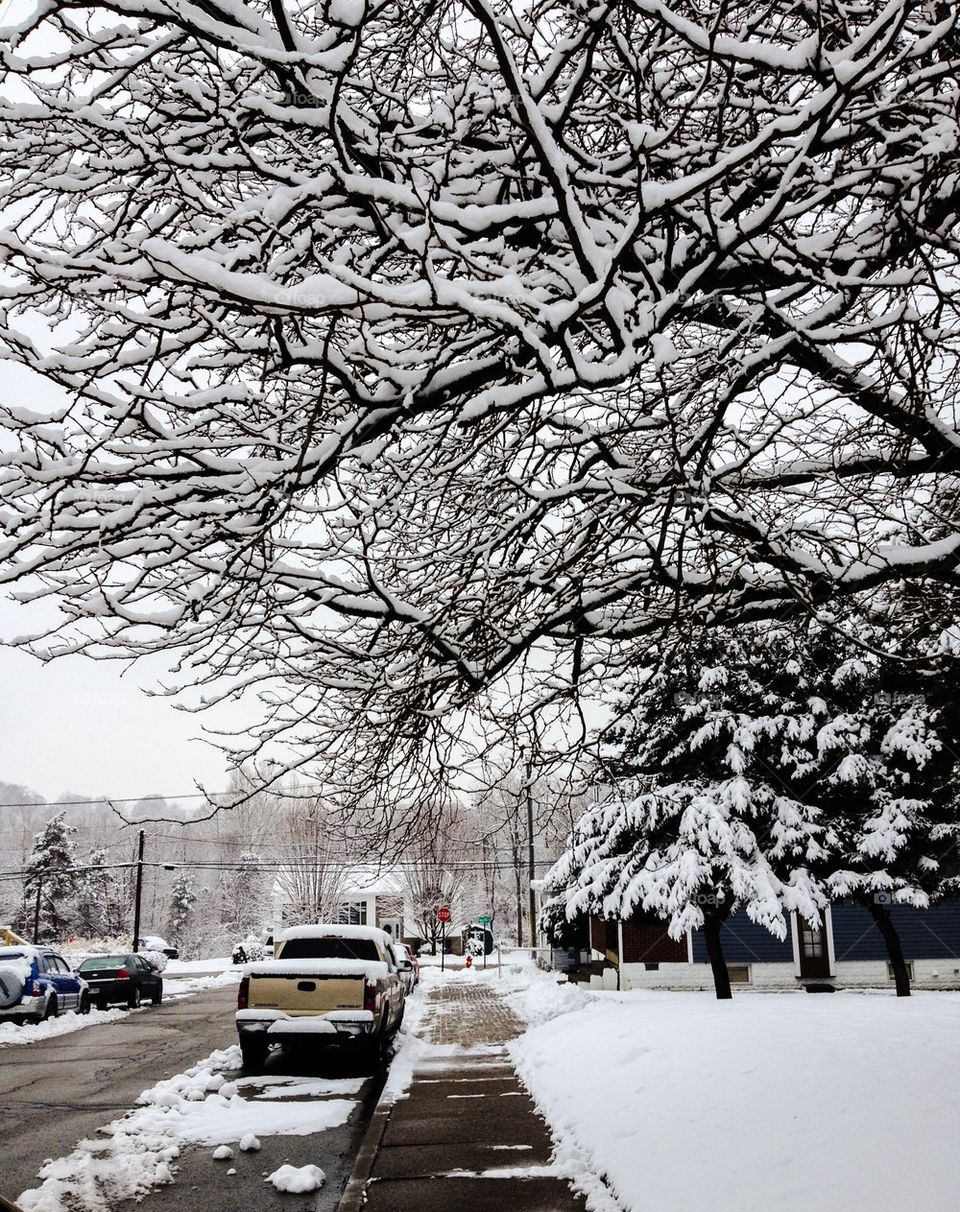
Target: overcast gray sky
[(78, 725), (87, 726)]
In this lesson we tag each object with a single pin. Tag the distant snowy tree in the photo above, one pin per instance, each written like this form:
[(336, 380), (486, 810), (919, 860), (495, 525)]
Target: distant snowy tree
[(102, 903), (182, 900), (405, 349), (244, 894), (50, 883), (436, 877), (312, 864)]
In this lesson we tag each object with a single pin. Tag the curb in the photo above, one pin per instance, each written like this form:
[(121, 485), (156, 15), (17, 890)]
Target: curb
[(353, 1199)]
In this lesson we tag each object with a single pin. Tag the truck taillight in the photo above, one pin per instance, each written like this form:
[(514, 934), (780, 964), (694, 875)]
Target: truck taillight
[(369, 996), (36, 989), (243, 994)]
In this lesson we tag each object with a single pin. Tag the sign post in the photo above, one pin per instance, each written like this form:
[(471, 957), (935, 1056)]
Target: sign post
[(443, 916), (485, 919)]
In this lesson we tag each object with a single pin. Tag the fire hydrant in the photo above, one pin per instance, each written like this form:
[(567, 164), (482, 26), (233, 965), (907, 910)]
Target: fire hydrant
[(469, 961)]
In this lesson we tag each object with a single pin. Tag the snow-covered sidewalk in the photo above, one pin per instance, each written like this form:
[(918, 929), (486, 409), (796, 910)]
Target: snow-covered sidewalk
[(772, 1101)]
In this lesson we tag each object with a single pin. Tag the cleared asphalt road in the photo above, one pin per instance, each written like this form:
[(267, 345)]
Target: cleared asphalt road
[(56, 1092)]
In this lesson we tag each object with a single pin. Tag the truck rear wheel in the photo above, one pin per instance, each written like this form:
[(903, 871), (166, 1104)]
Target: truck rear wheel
[(253, 1049)]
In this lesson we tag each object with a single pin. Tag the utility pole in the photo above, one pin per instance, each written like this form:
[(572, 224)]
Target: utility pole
[(36, 910), (528, 777), (139, 893)]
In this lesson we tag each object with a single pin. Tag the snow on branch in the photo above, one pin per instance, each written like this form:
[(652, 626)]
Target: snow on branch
[(397, 345)]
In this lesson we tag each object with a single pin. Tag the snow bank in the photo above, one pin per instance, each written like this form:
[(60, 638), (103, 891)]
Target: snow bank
[(199, 1106), (63, 1024), (221, 963), (782, 1101), (176, 988), (411, 1047)]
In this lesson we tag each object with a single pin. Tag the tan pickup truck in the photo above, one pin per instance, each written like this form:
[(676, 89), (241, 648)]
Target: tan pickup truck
[(326, 984)]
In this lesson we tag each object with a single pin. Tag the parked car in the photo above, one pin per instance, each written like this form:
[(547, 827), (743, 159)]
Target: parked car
[(409, 966), (153, 942), (328, 984), (37, 983), (126, 978)]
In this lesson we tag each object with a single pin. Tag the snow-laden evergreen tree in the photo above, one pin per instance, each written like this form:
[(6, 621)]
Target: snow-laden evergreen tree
[(182, 900), (50, 883), (781, 767)]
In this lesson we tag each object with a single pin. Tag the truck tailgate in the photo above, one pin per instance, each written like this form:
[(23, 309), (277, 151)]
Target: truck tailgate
[(306, 993)]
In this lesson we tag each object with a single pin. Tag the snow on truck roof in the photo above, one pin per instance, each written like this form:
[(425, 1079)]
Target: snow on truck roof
[(372, 970), (331, 930)]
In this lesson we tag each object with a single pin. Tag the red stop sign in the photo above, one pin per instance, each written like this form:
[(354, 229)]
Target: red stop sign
[(443, 914)]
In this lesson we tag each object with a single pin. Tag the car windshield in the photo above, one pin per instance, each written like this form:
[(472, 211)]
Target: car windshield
[(102, 961), (330, 948)]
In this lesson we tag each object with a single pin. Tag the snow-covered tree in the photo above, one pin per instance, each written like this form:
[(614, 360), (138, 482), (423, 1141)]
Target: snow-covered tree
[(182, 900), (312, 863), (102, 902), (244, 894), (781, 768), (49, 883), (399, 344), (436, 877)]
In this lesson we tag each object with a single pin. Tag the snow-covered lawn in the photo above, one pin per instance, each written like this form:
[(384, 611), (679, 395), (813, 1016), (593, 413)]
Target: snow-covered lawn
[(769, 1103), (207, 1105)]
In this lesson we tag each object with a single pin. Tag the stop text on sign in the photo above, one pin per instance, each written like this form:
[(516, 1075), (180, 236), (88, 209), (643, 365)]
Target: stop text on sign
[(443, 914)]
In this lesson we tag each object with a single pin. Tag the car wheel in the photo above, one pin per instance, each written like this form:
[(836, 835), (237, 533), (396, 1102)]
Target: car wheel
[(50, 1009), (375, 1050), (133, 1001), (157, 994), (254, 1052), (84, 1007)]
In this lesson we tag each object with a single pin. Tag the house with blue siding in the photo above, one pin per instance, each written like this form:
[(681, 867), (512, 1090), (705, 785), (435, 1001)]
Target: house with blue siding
[(846, 951)]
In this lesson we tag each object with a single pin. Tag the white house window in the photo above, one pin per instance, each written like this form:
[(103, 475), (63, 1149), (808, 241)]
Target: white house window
[(352, 913)]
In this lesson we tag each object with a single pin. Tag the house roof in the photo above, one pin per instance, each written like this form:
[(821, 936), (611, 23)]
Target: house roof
[(374, 881), (363, 880)]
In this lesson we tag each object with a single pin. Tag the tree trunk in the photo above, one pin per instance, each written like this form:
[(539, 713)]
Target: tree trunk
[(721, 977), (884, 923)]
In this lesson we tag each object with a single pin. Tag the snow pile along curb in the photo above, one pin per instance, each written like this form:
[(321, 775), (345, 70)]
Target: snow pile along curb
[(199, 1106)]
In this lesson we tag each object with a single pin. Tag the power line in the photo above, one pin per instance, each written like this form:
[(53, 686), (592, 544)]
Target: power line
[(94, 801), (265, 867)]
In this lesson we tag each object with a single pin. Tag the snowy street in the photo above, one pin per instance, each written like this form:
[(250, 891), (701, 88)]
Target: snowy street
[(66, 1089), (59, 1090)]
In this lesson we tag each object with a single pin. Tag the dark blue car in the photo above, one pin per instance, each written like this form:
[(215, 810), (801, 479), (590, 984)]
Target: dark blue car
[(38, 983)]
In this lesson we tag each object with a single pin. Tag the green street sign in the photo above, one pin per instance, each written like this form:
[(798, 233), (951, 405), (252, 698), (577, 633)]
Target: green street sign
[(485, 920)]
